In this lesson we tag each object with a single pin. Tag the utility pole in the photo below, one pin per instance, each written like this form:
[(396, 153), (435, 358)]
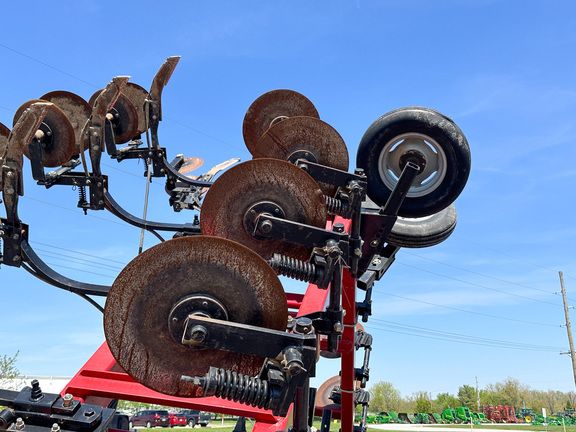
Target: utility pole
[(477, 394), (568, 327)]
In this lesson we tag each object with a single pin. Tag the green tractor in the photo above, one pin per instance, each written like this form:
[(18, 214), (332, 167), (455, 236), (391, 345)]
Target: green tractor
[(438, 418), (463, 414), (449, 415)]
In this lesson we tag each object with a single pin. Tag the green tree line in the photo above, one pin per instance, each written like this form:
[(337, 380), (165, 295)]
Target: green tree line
[(384, 397)]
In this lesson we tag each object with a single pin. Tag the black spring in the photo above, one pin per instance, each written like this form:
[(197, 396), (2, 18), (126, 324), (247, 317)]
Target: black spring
[(238, 387), (333, 205), (293, 268), (81, 195)]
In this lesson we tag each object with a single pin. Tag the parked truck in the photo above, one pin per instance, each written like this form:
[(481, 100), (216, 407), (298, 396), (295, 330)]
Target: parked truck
[(195, 417)]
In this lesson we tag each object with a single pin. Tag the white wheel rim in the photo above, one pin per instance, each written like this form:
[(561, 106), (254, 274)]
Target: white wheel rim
[(389, 166)]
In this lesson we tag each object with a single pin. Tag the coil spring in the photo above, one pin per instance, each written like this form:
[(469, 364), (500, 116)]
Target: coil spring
[(82, 198), (241, 388), (333, 205), (293, 268)]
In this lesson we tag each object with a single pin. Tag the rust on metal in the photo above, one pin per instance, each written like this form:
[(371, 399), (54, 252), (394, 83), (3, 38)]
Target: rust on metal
[(161, 80), (144, 293), (190, 164), (323, 400), (4, 134), (58, 142), (125, 118), (237, 190), (137, 95), (270, 108), (75, 107), (306, 137)]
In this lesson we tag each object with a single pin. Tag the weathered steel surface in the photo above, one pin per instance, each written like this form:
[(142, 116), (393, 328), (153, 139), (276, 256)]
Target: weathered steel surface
[(137, 95), (140, 300), (190, 164), (75, 107), (270, 108), (126, 117), (4, 134), (323, 394), (304, 137), (59, 142), (262, 180)]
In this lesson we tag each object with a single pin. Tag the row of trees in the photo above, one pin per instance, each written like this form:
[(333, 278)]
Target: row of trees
[(384, 397)]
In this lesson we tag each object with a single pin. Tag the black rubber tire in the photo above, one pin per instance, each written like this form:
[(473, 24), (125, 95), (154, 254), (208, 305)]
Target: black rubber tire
[(191, 423), (422, 121), (423, 232)]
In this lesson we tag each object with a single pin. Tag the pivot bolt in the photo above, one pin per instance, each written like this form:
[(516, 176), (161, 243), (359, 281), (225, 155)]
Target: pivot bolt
[(89, 412), (198, 335), (338, 327), (19, 425), (303, 325), (338, 227), (265, 227), (68, 400), (55, 428)]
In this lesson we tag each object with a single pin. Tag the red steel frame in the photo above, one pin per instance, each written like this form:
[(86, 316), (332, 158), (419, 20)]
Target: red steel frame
[(100, 380)]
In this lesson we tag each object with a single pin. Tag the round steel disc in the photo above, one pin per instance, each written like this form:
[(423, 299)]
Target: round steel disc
[(137, 95), (76, 109), (270, 108), (284, 185), (60, 144), (323, 394), (190, 164), (139, 304), (303, 137), (126, 118), (4, 134)]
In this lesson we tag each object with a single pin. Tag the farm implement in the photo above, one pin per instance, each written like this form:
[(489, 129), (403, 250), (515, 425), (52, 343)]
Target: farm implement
[(201, 320)]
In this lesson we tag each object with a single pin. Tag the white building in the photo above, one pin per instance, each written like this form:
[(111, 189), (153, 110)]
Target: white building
[(48, 384)]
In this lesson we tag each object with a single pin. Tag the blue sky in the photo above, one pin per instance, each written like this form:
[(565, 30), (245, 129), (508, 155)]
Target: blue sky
[(503, 70)]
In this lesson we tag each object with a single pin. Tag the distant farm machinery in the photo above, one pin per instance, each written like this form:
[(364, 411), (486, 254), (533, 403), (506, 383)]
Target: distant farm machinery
[(463, 415)]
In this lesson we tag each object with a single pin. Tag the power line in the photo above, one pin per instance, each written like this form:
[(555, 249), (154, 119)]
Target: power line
[(478, 285), (464, 310), (80, 253), (79, 260), (74, 211), (508, 255), (47, 65), (477, 273), (83, 271), (457, 337)]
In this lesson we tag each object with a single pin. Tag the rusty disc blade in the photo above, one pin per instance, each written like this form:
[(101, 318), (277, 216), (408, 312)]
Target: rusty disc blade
[(270, 108), (190, 164), (4, 134), (229, 200), (125, 118), (305, 137), (140, 301), (323, 393), (59, 143), (137, 95), (75, 107)]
